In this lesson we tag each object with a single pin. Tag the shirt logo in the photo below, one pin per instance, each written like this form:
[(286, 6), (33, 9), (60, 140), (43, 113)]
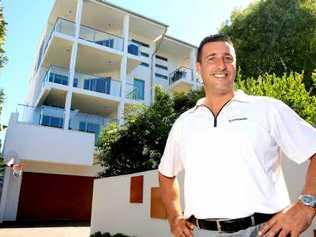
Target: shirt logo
[(237, 119)]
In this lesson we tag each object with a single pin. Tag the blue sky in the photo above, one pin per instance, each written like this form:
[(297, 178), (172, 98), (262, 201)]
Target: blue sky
[(188, 20)]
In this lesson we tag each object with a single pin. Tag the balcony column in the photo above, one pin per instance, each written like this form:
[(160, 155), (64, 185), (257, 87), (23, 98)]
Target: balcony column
[(123, 70), (193, 62), (151, 85), (72, 65)]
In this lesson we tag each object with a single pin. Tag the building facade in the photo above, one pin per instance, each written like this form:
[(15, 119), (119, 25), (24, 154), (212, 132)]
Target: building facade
[(94, 61)]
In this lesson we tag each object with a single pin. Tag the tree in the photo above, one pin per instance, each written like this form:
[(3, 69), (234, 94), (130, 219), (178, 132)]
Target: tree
[(138, 145), (275, 36), (3, 58), (288, 88)]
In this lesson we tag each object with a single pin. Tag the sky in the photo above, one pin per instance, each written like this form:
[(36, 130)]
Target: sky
[(188, 20)]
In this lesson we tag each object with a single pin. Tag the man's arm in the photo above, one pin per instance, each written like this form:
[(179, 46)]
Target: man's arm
[(298, 217), (170, 193)]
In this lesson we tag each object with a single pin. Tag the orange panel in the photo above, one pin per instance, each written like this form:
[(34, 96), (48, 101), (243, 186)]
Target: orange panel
[(157, 209), (136, 189)]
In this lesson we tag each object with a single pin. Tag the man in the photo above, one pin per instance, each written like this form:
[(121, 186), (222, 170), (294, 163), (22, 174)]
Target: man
[(229, 145)]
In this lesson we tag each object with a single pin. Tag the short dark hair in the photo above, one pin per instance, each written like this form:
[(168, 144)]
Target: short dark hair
[(209, 39)]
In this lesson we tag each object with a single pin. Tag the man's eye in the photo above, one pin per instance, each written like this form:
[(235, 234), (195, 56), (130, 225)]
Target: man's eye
[(212, 59), (229, 59)]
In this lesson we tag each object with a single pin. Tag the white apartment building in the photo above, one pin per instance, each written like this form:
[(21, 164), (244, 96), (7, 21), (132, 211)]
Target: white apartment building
[(93, 61)]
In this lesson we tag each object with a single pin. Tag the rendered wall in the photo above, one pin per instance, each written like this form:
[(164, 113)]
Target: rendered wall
[(112, 212), (39, 143)]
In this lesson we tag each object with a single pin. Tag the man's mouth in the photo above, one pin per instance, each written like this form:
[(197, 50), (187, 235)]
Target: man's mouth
[(219, 75)]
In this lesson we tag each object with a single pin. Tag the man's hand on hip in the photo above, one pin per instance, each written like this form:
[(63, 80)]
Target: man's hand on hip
[(290, 222), (180, 227)]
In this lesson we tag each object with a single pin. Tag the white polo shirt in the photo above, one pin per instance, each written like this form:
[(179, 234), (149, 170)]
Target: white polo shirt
[(232, 163)]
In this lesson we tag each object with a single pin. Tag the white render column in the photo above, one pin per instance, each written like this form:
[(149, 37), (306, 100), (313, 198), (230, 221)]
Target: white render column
[(193, 61), (5, 187), (123, 71), (152, 75), (72, 65)]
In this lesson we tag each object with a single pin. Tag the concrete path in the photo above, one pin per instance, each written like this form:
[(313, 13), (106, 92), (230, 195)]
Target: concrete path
[(46, 232)]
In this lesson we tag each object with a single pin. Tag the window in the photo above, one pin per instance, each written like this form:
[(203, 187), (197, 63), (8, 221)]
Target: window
[(161, 76), (85, 126), (139, 86), (140, 43), (162, 67), (133, 49), (57, 78), (108, 42), (51, 121), (102, 85), (144, 54), (144, 64), (162, 58), (75, 82)]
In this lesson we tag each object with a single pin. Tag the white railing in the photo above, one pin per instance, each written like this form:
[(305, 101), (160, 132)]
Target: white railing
[(101, 38)]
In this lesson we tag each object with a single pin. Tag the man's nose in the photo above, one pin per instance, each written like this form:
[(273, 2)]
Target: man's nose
[(221, 64)]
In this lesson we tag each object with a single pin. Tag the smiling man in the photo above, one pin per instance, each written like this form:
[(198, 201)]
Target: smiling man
[(229, 145)]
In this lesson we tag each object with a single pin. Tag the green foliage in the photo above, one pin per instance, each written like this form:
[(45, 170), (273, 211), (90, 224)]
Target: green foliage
[(138, 144), (275, 36), (3, 58), (289, 89)]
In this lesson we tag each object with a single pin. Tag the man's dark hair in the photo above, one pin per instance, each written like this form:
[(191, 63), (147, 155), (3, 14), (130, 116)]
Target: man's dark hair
[(209, 39)]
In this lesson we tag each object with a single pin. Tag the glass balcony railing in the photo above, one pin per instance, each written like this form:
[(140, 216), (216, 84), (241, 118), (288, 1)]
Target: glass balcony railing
[(101, 38), (55, 77), (134, 92), (44, 115), (54, 117), (87, 123), (181, 73), (105, 85), (61, 26)]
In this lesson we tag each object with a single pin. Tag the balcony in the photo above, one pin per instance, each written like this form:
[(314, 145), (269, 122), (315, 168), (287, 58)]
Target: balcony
[(61, 26), (101, 38), (135, 91), (88, 123), (104, 85), (43, 115), (36, 134), (181, 80)]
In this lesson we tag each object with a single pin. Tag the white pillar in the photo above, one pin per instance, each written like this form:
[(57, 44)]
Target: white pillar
[(4, 194), (72, 65), (193, 62), (123, 70), (152, 75)]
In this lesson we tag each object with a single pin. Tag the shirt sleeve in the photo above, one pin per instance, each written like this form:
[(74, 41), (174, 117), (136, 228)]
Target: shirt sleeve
[(171, 163), (295, 137)]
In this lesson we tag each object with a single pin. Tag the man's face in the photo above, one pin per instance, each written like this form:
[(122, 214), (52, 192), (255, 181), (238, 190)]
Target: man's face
[(218, 67)]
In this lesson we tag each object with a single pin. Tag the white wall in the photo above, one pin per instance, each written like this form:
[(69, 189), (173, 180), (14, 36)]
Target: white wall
[(39, 143), (112, 212)]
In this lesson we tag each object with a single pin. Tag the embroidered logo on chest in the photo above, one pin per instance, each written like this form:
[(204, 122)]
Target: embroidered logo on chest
[(237, 119)]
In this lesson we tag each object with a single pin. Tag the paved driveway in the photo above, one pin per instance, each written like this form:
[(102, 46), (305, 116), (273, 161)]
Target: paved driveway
[(46, 232)]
